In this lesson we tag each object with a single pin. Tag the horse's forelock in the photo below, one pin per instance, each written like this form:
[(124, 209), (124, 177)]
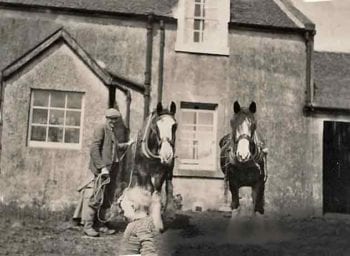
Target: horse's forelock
[(238, 119)]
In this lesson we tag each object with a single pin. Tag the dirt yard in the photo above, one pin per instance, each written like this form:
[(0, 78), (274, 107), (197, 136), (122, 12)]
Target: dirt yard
[(208, 233)]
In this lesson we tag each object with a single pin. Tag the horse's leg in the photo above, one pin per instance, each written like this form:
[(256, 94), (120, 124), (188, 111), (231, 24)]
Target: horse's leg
[(144, 180), (234, 188), (156, 207), (258, 196)]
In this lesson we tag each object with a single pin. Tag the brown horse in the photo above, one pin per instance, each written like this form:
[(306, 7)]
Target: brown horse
[(154, 157), (242, 158)]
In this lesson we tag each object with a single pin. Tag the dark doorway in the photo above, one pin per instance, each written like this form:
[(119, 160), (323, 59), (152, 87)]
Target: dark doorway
[(336, 167)]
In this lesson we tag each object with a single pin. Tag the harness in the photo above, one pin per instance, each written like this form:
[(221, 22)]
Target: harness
[(144, 141), (258, 155)]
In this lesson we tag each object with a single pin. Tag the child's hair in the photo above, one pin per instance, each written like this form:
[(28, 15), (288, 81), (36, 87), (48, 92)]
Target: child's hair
[(139, 197)]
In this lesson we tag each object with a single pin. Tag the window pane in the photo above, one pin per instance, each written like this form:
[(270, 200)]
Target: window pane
[(205, 129), (187, 134), (57, 117), (196, 24), (39, 116), (205, 118), (41, 98), (73, 118), (196, 36), (55, 134), (74, 100), (206, 152), (197, 10), (188, 117), (71, 135), (58, 99), (187, 150), (38, 133)]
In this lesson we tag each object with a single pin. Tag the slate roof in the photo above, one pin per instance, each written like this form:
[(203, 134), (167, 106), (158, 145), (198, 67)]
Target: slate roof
[(258, 12), (332, 79)]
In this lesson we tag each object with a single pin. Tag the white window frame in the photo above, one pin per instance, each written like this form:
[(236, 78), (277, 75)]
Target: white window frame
[(49, 144), (194, 164), (213, 41), (200, 18)]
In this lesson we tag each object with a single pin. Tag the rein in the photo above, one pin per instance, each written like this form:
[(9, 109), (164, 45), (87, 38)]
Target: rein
[(99, 191)]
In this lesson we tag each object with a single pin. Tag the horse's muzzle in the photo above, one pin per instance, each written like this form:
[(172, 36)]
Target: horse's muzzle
[(242, 159)]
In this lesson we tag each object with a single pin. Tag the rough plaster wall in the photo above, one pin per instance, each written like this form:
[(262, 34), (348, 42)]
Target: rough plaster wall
[(269, 69), (49, 176), (209, 193)]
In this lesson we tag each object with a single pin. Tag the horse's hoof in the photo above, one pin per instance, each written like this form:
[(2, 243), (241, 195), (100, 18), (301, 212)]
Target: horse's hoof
[(235, 213), (259, 215), (259, 219)]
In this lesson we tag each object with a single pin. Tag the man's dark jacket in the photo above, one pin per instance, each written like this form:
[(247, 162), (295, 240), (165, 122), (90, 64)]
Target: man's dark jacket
[(107, 146)]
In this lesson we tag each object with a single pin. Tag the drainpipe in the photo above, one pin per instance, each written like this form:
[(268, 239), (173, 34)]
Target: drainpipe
[(148, 70), (310, 89), (128, 103), (1, 109), (111, 101), (161, 61), (1, 85)]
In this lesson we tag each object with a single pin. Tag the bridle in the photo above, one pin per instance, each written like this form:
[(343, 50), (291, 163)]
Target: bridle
[(244, 136), (255, 157), (145, 137)]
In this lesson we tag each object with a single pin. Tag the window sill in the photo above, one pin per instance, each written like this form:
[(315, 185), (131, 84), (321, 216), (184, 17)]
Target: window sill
[(182, 173), (197, 171), (203, 49), (52, 145)]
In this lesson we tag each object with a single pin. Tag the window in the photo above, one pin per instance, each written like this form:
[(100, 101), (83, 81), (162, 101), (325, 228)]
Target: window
[(203, 26), (198, 21), (197, 136), (55, 119)]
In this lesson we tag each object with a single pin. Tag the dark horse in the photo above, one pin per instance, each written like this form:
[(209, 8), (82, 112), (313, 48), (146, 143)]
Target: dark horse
[(154, 156), (242, 157)]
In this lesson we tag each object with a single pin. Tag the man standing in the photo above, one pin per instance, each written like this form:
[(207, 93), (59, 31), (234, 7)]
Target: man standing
[(107, 150)]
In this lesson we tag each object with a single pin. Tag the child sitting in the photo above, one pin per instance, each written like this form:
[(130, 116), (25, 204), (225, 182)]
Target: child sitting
[(139, 234)]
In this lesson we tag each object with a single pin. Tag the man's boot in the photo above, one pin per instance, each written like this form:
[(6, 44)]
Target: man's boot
[(89, 230)]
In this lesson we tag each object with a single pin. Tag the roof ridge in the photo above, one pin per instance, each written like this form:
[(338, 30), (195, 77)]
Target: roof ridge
[(301, 17)]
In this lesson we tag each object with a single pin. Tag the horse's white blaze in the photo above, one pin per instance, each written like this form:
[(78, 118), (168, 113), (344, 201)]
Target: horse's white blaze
[(243, 151), (165, 125), (166, 152)]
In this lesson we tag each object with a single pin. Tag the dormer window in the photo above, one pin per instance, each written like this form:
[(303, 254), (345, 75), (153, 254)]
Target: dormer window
[(203, 26)]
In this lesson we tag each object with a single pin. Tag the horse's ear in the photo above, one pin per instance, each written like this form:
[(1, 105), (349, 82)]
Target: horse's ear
[(236, 107), (173, 108), (159, 108), (252, 107)]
